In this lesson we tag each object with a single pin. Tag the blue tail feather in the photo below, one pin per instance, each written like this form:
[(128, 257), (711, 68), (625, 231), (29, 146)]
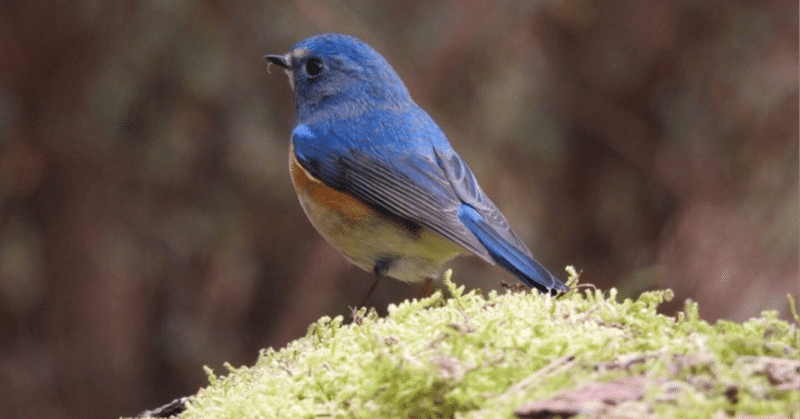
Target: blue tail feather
[(508, 255)]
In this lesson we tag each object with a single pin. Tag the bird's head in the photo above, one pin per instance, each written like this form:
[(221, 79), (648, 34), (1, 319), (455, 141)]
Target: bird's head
[(333, 70)]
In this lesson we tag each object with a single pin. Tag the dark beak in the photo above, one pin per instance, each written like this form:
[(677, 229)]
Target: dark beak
[(279, 60)]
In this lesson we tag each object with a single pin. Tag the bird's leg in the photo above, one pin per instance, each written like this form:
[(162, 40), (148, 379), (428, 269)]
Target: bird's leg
[(380, 269), (371, 290), (426, 289)]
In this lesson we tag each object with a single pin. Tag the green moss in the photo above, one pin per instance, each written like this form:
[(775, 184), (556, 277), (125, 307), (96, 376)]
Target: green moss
[(475, 356)]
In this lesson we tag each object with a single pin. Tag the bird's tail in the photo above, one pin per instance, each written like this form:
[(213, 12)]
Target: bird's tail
[(509, 255)]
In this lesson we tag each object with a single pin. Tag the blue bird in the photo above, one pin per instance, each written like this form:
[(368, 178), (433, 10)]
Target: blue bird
[(378, 178)]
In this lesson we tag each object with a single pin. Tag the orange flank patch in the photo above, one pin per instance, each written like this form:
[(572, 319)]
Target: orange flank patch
[(324, 195)]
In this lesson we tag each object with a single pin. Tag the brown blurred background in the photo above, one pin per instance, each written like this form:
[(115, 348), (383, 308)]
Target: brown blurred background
[(148, 226)]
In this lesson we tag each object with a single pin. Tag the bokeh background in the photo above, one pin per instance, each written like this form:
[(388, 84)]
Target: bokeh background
[(148, 226)]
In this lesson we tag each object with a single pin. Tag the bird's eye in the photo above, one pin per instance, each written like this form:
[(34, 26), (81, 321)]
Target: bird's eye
[(314, 66)]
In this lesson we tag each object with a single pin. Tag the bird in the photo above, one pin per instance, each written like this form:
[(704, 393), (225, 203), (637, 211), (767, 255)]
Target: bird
[(378, 178)]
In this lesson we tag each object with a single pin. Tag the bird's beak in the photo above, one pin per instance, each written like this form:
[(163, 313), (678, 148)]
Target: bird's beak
[(279, 60)]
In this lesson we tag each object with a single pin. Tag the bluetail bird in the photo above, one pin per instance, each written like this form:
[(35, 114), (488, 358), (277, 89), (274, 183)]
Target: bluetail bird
[(377, 177)]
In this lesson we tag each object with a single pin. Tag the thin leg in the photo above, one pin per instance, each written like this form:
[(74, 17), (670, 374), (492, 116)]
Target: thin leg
[(371, 290), (426, 289)]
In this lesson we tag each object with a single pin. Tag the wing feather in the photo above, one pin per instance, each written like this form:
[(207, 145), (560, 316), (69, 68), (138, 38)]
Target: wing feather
[(427, 200)]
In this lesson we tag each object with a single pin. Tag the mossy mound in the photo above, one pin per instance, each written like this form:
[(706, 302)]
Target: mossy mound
[(520, 354)]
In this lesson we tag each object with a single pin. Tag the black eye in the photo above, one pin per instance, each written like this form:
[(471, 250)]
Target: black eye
[(313, 66)]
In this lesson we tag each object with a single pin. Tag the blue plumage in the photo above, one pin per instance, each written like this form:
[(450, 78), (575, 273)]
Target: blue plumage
[(415, 203)]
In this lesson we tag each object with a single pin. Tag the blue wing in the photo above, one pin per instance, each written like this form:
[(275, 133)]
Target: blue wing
[(404, 166)]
